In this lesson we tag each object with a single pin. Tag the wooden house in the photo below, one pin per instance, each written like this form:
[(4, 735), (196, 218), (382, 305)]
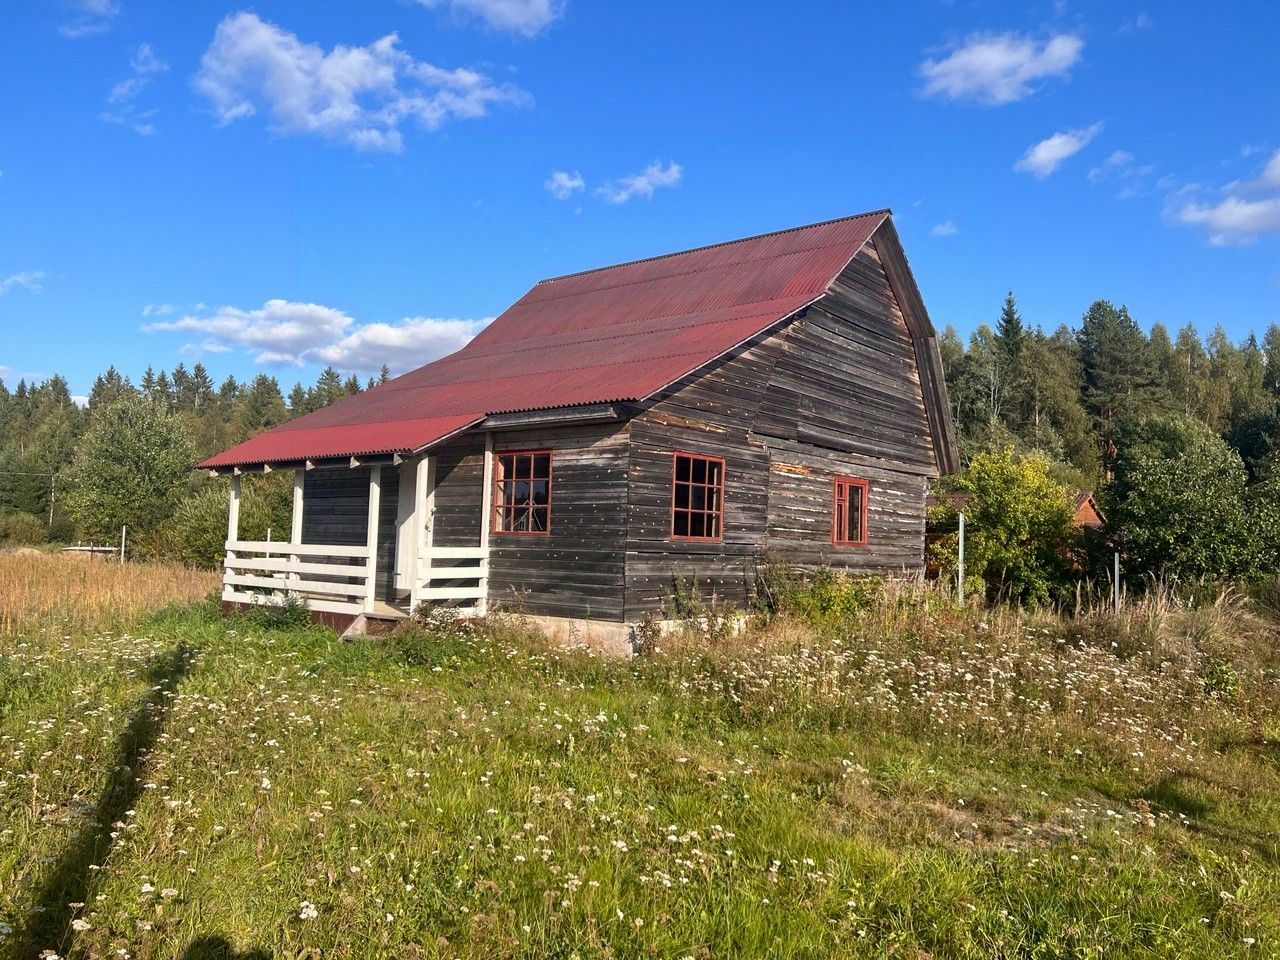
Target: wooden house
[(620, 430)]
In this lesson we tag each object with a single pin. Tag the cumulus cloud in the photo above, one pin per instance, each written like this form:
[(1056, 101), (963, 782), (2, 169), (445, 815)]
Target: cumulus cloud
[(1243, 212), (402, 346), (994, 69), (355, 95), (285, 332), (122, 107), (29, 280), (525, 17), (562, 184), (1043, 158), (89, 17), (642, 184), (947, 228)]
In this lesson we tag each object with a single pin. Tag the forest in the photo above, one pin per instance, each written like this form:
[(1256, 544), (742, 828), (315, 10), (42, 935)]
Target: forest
[(1178, 435)]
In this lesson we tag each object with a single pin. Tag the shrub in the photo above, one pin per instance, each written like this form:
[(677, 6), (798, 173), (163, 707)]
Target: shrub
[(1020, 542), (198, 529), (1177, 502), (23, 529), (289, 615)]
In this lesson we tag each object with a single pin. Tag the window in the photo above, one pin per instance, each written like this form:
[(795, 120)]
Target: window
[(849, 522), (522, 492), (697, 497)]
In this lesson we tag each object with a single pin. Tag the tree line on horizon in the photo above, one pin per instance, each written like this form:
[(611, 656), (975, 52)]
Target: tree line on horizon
[(1179, 435), (42, 428)]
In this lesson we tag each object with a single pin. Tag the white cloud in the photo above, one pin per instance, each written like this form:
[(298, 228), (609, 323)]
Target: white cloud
[(401, 346), (994, 69), (1234, 219), (1271, 172), (29, 280), (1043, 158), (144, 61), (91, 17), (641, 184), (354, 95), (280, 329), (525, 17), (288, 332), (1122, 168), (121, 105), (947, 228), (1245, 210), (562, 184)]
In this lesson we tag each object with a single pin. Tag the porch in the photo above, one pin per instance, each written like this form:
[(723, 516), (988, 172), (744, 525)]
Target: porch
[(361, 543)]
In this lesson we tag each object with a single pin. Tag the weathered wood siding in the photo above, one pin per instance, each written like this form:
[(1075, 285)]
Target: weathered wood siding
[(336, 512), (577, 569), (835, 392), (711, 414)]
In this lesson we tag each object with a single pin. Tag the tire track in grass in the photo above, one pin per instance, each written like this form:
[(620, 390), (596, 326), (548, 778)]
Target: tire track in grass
[(52, 920)]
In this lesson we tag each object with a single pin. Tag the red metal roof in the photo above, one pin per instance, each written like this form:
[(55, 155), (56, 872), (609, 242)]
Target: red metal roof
[(617, 333)]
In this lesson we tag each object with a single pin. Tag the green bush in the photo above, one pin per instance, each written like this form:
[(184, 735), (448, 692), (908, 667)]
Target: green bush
[(1178, 502), (289, 615), (23, 529), (1020, 542), (197, 532)]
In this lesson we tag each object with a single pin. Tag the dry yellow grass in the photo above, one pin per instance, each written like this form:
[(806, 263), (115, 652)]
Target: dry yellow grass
[(41, 593)]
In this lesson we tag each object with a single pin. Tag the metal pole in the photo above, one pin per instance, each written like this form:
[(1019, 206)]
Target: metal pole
[(960, 564), (124, 532), (1115, 584)]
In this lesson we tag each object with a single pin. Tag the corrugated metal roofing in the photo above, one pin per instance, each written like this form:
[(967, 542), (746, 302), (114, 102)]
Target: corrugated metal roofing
[(616, 333)]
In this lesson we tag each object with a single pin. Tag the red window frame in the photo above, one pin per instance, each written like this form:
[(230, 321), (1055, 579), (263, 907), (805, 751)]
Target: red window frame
[(840, 499), (712, 491), (506, 506)]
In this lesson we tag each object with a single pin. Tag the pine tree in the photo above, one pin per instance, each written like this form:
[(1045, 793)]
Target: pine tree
[(328, 389), (1119, 374), (298, 402)]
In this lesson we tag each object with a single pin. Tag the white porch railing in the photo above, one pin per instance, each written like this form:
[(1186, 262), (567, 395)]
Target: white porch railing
[(329, 578), (454, 575)]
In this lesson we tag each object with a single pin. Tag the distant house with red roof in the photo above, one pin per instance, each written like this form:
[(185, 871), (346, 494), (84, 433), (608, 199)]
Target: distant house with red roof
[(618, 430)]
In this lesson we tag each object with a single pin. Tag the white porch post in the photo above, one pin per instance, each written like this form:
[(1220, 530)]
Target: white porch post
[(233, 533), (295, 527), (371, 541), (486, 520), (423, 504)]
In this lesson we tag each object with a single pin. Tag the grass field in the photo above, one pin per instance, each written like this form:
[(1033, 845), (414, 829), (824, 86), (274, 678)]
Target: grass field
[(888, 778)]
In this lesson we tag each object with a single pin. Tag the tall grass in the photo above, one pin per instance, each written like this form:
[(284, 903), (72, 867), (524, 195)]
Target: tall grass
[(874, 772), (60, 594)]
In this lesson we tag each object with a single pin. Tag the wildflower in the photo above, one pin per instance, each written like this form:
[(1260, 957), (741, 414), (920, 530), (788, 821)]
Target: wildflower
[(307, 910), (80, 926)]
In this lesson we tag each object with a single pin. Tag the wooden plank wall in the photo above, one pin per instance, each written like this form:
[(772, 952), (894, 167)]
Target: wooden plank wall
[(836, 392), (336, 511), (712, 415), (576, 570)]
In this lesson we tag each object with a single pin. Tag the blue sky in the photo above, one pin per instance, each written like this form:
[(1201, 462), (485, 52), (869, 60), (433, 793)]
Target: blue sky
[(281, 185)]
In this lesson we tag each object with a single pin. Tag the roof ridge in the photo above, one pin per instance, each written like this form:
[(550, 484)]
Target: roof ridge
[(712, 246)]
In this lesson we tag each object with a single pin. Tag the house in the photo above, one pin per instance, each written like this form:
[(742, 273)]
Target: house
[(620, 430), (1085, 512)]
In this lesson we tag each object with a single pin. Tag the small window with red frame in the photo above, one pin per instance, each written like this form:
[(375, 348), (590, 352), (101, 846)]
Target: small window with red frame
[(849, 522), (522, 492), (697, 497)]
